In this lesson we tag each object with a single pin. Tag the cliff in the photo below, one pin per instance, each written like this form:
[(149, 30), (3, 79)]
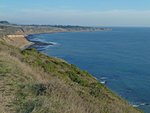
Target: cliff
[(17, 41), (32, 82)]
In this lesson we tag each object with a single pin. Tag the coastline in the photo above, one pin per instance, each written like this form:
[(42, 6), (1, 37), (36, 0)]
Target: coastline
[(30, 43), (39, 42), (28, 35), (128, 101), (16, 35), (34, 42)]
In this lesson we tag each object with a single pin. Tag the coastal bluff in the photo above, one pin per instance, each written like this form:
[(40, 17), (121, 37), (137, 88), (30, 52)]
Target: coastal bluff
[(17, 41), (33, 82)]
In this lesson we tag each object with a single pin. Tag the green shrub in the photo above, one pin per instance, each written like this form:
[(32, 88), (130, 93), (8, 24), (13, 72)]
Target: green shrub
[(48, 67), (39, 89), (86, 73), (81, 92), (94, 93), (62, 64), (29, 105), (76, 69), (74, 77), (27, 52)]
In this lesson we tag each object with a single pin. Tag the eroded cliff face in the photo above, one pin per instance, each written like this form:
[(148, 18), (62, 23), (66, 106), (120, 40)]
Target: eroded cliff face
[(17, 41)]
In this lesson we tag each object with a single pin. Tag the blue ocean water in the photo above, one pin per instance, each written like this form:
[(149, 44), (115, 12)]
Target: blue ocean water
[(121, 57)]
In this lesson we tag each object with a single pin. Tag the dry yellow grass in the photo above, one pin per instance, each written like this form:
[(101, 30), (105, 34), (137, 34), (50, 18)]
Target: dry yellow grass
[(31, 82), (26, 87)]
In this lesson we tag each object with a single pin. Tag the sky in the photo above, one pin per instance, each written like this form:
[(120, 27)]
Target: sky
[(77, 12)]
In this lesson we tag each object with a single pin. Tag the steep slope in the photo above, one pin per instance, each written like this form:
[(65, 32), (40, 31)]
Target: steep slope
[(17, 41), (34, 82)]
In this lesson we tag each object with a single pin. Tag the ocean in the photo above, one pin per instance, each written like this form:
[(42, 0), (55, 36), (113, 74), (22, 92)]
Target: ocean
[(120, 57)]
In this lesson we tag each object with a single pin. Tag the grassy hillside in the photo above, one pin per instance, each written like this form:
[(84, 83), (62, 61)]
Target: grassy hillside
[(32, 82)]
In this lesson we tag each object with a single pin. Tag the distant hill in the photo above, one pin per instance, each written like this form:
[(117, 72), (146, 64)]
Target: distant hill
[(12, 29), (4, 22)]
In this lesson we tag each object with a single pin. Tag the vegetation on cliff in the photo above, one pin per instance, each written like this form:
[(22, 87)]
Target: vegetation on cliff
[(34, 82)]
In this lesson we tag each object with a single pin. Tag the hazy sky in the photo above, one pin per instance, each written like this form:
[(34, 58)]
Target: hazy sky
[(77, 12)]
